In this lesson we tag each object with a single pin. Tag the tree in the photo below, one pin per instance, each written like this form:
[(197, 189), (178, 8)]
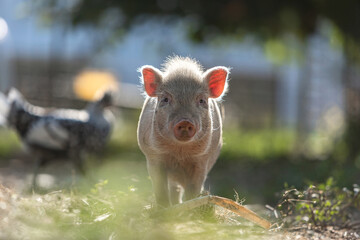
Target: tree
[(266, 19)]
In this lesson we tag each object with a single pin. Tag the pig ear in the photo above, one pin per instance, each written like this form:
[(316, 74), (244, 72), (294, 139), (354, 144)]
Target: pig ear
[(216, 79), (151, 78)]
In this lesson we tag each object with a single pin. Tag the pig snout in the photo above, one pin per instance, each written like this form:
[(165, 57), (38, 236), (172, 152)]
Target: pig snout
[(184, 130)]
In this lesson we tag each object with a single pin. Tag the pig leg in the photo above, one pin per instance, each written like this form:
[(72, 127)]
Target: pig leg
[(194, 187), (175, 193), (159, 180)]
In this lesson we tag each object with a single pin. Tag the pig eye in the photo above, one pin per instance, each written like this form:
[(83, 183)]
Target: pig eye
[(203, 102), (165, 100)]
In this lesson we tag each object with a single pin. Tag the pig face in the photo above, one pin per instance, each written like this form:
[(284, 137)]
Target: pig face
[(183, 100)]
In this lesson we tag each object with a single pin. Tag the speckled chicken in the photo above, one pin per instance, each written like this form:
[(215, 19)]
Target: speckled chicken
[(59, 133)]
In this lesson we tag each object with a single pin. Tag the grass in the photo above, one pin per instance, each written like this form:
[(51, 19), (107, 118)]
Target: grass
[(9, 143), (321, 206), (115, 200), (119, 207), (106, 214), (257, 145)]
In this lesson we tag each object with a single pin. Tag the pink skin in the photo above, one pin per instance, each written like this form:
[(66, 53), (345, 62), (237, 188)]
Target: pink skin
[(184, 130)]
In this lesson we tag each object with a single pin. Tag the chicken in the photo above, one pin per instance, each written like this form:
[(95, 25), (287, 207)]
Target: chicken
[(59, 133), (3, 109)]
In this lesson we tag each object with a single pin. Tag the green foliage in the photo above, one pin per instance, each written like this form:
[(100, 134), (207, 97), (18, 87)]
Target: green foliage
[(271, 18), (99, 186), (109, 214), (260, 145), (9, 143), (124, 139), (322, 205), (96, 215), (211, 19)]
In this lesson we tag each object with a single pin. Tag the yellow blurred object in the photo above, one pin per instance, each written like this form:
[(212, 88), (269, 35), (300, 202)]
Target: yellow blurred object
[(91, 84)]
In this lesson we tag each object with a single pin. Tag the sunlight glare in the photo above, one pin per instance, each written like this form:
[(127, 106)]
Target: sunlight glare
[(3, 29), (91, 84)]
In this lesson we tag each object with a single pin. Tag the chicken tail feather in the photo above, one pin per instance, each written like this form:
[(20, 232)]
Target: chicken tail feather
[(4, 109)]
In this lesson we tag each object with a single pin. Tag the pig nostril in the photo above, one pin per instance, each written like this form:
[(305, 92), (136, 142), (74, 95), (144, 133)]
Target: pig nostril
[(184, 130)]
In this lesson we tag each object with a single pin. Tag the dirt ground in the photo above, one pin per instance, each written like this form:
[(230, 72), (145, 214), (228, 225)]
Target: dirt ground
[(317, 234), (17, 174)]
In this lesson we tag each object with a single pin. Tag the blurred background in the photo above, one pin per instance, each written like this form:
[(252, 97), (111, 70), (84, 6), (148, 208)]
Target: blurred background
[(293, 109)]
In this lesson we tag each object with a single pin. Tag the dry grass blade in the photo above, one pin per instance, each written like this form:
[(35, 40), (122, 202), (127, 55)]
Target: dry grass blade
[(240, 210), (225, 203)]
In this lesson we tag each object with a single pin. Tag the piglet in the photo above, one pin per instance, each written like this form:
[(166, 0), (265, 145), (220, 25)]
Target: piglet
[(180, 126)]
